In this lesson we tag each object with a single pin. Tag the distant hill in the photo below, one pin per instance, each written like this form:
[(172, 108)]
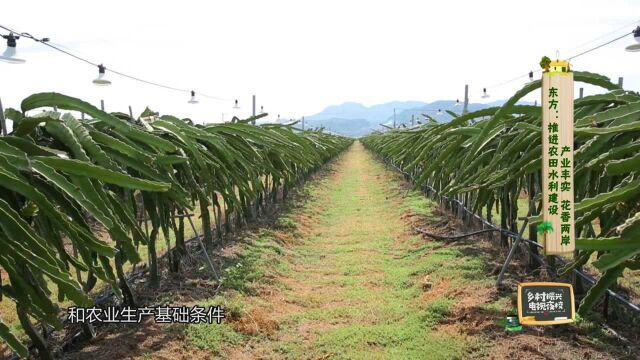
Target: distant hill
[(351, 110), (350, 127), (432, 109), (355, 119)]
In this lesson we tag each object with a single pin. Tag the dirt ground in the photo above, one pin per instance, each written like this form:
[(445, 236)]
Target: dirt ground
[(340, 273)]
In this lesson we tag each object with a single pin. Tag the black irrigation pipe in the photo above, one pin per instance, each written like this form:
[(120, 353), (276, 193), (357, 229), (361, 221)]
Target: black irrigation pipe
[(591, 280), (451, 237), (178, 216)]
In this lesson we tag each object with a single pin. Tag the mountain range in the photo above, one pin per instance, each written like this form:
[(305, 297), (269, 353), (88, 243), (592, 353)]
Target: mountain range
[(354, 119)]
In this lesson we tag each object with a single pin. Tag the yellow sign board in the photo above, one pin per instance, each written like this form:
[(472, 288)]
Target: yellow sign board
[(558, 226), (545, 303)]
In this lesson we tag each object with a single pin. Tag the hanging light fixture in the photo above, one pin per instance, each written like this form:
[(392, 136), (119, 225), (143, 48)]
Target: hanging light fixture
[(484, 93), (530, 76), (635, 47), (261, 109), (193, 98), (236, 106), (100, 80), (9, 54)]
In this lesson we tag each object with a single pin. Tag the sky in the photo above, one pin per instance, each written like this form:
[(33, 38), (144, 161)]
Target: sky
[(298, 57)]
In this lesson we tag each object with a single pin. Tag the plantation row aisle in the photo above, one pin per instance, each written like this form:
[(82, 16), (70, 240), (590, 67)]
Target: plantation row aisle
[(341, 275), (347, 288)]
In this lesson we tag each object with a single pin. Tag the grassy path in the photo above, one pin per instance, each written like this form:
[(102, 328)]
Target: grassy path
[(340, 275), (353, 286)]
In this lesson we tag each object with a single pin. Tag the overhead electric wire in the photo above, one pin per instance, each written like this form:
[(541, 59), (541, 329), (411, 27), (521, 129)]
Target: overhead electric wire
[(528, 74), (636, 23), (400, 111), (599, 46), (45, 41), (497, 85), (570, 58)]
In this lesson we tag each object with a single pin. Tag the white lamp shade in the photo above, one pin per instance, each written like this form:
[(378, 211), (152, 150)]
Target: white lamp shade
[(633, 48), (9, 55), (101, 81), (193, 98)]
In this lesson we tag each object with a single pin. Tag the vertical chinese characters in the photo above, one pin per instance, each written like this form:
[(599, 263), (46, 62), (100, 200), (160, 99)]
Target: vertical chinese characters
[(557, 156)]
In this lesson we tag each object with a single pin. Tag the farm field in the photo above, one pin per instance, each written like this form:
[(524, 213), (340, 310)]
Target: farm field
[(7, 307), (488, 163), (328, 180), (102, 218), (125, 232), (330, 280)]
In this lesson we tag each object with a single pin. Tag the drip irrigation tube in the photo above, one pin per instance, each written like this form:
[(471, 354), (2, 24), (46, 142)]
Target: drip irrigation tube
[(513, 235), (451, 237)]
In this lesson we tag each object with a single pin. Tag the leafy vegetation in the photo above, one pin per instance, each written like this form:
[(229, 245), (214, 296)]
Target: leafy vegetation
[(488, 158), (351, 286), (59, 175)]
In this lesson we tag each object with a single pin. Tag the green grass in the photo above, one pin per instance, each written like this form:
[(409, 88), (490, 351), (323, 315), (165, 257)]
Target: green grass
[(356, 279), (244, 272), (390, 323), (211, 336), (285, 223)]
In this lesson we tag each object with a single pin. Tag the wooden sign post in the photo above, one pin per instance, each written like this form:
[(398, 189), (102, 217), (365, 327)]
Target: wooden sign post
[(557, 227), (545, 303), (3, 122)]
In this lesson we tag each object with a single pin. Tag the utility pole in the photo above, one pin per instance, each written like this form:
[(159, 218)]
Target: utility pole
[(394, 118), (581, 93), (101, 104), (303, 123), (254, 110), (620, 82), (3, 122), (413, 119), (465, 108)]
